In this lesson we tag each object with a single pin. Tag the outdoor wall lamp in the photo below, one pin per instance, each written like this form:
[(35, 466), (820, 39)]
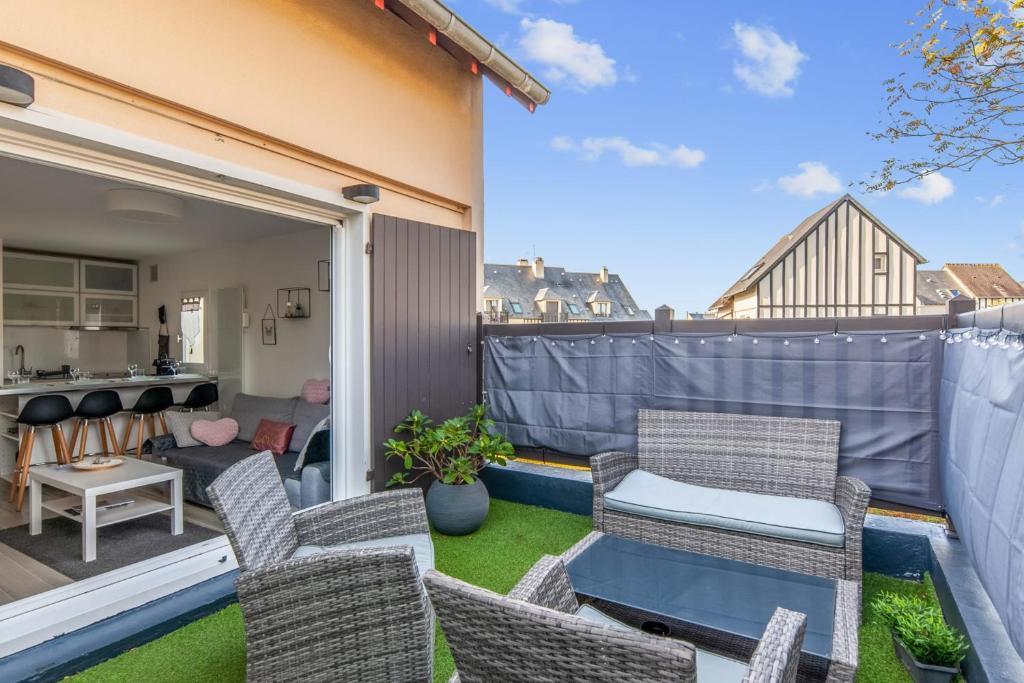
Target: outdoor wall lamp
[(364, 193), (16, 86)]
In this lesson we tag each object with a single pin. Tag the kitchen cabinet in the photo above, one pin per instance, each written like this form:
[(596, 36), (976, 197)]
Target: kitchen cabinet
[(108, 277), (26, 307), (109, 310), (40, 272)]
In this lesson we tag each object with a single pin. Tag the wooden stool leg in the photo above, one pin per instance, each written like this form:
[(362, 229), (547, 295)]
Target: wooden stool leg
[(103, 438), (27, 462), (19, 462), (128, 432), (163, 423), (57, 448), (84, 434), (63, 444), (141, 437), (109, 426), (74, 436)]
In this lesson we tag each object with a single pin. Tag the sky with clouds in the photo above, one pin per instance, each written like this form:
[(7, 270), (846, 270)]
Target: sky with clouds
[(683, 139)]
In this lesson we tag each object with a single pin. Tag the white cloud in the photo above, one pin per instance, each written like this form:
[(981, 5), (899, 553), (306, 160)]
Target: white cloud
[(770, 65), (510, 6), (996, 201), (562, 143), (592, 149), (568, 59), (930, 189), (814, 178)]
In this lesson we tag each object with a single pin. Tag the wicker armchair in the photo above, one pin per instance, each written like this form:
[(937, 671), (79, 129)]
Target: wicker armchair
[(777, 456), (332, 613), (542, 638)]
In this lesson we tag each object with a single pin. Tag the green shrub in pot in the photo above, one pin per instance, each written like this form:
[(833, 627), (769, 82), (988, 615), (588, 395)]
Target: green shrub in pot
[(453, 453), (934, 647)]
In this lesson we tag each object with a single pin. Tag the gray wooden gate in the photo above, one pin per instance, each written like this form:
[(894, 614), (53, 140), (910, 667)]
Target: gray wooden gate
[(423, 327)]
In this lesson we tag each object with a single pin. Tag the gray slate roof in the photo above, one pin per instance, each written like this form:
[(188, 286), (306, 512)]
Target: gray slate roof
[(933, 287), (517, 283)]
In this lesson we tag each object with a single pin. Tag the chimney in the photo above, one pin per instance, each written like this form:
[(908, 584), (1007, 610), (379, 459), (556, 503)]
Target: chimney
[(602, 276), (538, 268), (523, 262)]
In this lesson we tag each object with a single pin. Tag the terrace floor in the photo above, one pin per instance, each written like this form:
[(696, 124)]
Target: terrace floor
[(512, 540)]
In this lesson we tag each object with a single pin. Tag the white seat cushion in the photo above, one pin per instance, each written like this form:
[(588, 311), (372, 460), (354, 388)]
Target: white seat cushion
[(711, 668), (796, 519), (421, 544)]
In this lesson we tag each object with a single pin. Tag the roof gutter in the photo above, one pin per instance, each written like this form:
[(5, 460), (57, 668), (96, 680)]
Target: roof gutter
[(482, 50)]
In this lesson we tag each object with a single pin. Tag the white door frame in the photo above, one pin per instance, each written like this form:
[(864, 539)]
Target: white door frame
[(44, 136)]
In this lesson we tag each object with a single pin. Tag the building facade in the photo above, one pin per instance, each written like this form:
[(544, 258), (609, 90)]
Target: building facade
[(840, 261), (532, 293), (987, 283)]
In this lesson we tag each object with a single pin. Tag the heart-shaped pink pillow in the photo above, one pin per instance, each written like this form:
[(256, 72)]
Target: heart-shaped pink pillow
[(316, 391), (214, 432)]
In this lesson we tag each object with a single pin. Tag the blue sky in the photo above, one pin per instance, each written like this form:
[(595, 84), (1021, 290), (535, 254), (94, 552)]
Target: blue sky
[(682, 139)]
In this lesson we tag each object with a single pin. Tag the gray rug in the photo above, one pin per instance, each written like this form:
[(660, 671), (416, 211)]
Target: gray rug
[(118, 545)]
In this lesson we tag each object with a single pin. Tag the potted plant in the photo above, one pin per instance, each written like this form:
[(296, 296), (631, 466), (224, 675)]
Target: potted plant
[(453, 452), (930, 649)]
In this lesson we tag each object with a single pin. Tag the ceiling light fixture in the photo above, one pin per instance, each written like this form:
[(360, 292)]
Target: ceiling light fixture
[(145, 206), (16, 86), (365, 193)]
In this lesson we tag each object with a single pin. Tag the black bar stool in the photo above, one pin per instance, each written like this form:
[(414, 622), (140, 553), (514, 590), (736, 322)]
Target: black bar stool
[(152, 402), (99, 407), (41, 411), (200, 398)]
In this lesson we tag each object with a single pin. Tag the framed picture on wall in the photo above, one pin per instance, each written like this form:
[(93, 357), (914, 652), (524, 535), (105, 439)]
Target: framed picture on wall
[(323, 275), (269, 327)]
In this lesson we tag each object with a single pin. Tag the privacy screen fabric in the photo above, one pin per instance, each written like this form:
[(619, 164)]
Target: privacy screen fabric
[(982, 452), (580, 395)]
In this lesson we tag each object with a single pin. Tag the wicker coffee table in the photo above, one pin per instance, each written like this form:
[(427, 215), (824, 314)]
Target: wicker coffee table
[(717, 604)]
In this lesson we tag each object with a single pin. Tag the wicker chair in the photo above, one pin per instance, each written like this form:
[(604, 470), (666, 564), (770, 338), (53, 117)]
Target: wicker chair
[(791, 457), (534, 634), (334, 613)]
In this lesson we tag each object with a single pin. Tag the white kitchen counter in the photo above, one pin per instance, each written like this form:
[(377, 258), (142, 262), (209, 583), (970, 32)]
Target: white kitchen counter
[(61, 386)]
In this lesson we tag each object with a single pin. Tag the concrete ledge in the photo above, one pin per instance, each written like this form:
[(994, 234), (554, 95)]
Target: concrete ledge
[(78, 650), (544, 486)]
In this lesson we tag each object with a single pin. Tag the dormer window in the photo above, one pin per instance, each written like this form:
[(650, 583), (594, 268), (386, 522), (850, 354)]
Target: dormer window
[(573, 308), (517, 308), (750, 273), (602, 309)]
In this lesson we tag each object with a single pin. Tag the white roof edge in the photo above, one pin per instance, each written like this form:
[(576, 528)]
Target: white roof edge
[(484, 51)]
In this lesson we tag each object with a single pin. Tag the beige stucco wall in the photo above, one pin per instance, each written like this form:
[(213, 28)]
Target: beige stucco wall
[(324, 92)]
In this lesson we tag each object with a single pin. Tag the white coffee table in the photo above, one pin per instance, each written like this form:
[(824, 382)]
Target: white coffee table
[(111, 484)]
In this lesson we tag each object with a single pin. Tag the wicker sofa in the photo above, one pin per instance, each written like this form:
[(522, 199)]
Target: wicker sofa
[(745, 487), (539, 632)]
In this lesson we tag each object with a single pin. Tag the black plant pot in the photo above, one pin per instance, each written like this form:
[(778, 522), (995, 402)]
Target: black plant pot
[(457, 509), (922, 673)]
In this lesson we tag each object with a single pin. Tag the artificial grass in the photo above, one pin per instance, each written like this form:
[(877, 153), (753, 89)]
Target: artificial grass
[(495, 557)]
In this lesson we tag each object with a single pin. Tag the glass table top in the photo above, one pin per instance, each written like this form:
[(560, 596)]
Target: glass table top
[(726, 595)]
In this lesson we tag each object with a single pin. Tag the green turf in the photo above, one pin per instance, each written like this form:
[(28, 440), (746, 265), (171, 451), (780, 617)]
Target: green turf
[(495, 557)]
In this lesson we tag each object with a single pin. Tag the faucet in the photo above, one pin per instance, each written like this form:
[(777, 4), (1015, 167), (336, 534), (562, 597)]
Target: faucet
[(19, 349)]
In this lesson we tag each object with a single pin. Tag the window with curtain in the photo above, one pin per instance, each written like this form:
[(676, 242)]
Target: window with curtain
[(192, 329)]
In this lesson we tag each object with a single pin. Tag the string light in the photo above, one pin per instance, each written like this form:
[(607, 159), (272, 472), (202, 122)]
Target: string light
[(849, 339), (702, 342), (884, 340), (921, 337), (943, 335), (755, 340), (785, 343), (817, 341)]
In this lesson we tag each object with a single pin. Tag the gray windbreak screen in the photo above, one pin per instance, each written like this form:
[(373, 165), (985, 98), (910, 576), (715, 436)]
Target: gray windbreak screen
[(580, 395), (982, 449)]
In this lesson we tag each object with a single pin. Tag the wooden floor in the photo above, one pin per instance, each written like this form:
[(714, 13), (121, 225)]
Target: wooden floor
[(22, 576)]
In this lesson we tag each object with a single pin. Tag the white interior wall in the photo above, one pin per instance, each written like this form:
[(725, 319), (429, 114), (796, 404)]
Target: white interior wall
[(260, 267), (47, 348)]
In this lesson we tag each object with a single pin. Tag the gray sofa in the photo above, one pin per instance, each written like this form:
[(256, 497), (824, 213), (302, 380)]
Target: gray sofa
[(201, 465)]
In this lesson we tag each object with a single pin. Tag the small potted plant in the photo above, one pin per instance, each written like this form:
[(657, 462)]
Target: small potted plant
[(930, 649), (452, 452)]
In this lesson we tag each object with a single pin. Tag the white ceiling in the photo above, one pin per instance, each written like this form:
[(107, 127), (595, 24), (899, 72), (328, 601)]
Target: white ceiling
[(51, 209)]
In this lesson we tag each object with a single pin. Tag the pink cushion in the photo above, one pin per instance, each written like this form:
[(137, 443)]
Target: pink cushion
[(316, 391), (272, 436), (214, 432)]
